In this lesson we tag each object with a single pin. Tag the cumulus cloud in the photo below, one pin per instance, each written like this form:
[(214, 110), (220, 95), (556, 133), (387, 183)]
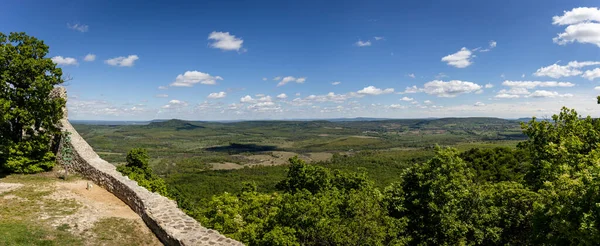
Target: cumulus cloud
[(556, 71), (246, 99), (592, 74), (282, 96), (89, 58), (78, 27), (372, 90), (291, 79), (550, 94), (487, 86), (65, 61), (175, 104), (225, 41), (493, 44), (534, 84), (460, 59), (407, 99), (336, 83), (412, 75), (122, 61), (427, 102), (451, 88), (189, 78), (216, 95), (515, 91), (582, 26), (597, 88), (411, 89), (506, 96), (396, 106), (479, 104), (360, 43)]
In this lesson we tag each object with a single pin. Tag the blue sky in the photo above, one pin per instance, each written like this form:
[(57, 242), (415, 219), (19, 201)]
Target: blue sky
[(222, 60)]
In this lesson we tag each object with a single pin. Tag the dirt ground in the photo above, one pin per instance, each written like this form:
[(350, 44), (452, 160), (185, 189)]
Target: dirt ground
[(94, 216)]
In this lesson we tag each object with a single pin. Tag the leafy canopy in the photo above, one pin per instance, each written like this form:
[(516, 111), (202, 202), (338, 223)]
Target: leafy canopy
[(28, 116)]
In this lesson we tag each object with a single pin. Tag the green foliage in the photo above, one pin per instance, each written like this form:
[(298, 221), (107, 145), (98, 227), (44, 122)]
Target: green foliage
[(566, 170), (137, 169), (329, 208), (497, 164), (28, 117)]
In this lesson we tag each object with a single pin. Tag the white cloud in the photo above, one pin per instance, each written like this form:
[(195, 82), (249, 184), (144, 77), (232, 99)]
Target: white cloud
[(360, 43), (487, 86), (78, 27), (64, 60), (291, 79), (577, 15), (407, 99), (592, 74), (412, 75), (277, 78), (161, 95), (225, 41), (597, 88), (122, 61), (427, 102), (189, 78), (89, 57), (460, 59), (479, 104), (174, 104), (396, 106), (583, 64), (551, 94), (378, 38), (336, 83), (515, 91), (493, 44), (556, 71), (412, 89), (582, 26), (506, 96), (298, 94), (282, 96), (451, 88), (246, 99), (534, 84), (162, 87), (216, 95), (372, 90), (522, 75), (264, 79)]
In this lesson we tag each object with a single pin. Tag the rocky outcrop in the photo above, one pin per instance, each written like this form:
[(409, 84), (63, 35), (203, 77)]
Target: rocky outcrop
[(171, 225)]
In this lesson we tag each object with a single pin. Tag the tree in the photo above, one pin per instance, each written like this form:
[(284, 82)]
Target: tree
[(29, 117), (137, 169)]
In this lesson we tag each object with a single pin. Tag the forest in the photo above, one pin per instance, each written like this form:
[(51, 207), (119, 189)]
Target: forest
[(544, 190)]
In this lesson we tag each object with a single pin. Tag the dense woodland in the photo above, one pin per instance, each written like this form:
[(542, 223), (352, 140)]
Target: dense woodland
[(544, 191)]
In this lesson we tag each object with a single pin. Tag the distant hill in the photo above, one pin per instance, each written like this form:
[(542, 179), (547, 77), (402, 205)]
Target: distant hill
[(175, 124)]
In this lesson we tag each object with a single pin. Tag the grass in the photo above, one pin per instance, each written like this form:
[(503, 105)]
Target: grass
[(27, 233), (119, 231)]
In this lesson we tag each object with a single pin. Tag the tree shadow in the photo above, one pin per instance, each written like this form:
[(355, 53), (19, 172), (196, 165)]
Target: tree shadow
[(236, 148)]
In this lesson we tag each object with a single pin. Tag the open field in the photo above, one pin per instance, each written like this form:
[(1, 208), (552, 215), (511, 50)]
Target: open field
[(202, 159)]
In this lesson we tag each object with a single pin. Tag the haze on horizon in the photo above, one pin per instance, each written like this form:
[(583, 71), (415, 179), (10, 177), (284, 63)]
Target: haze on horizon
[(213, 60)]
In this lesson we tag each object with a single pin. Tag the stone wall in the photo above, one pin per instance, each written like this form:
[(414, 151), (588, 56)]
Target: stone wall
[(171, 225)]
